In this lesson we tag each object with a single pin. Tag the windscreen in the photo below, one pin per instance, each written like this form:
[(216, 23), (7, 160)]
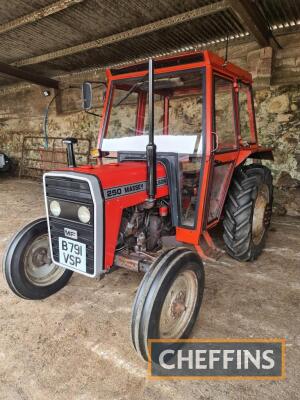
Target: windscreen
[(178, 102), (179, 106)]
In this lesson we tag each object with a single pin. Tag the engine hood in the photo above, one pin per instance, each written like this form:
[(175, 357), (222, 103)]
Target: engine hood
[(120, 174)]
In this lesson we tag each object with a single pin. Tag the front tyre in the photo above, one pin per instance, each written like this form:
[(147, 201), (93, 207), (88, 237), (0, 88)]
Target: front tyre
[(27, 264), (168, 300)]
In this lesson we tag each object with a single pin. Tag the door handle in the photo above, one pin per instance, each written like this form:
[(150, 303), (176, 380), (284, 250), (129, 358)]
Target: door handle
[(216, 142)]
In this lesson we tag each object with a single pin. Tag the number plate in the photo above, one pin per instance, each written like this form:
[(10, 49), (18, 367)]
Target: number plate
[(72, 254)]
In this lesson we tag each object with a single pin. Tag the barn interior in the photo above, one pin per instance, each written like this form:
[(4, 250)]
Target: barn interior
[(76, 344)]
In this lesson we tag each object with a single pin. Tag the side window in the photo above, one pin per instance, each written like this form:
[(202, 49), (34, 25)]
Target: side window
[(224, 124), (245, 106)]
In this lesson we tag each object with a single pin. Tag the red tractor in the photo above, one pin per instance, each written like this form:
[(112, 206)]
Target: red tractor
[(174, 139)]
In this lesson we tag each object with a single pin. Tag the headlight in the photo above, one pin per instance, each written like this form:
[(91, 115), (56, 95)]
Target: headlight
[(84, 214), (55, 208)]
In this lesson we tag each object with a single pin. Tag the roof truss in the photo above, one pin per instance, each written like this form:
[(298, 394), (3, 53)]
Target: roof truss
[(38, 14), (246, 10)]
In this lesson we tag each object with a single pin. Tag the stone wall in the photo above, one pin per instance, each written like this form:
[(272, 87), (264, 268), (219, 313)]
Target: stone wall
[(278, 122), (277, 101)]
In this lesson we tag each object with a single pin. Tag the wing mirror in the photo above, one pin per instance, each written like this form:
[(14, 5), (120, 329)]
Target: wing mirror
[(87, 96)]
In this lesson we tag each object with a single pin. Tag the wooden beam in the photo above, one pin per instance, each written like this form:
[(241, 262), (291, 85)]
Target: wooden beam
[(38, 14), (132, 33), (253, 20), (28, 76)]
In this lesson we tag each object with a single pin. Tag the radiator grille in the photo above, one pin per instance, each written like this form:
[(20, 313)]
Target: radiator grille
[(68, 189), (71, 191)]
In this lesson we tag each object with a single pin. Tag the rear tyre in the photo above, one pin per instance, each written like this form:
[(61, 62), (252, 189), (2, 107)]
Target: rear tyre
[(248, 211), (168, 300), (27, 264)]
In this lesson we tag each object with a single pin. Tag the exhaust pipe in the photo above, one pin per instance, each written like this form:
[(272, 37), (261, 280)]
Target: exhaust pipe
[(151, 147), (69, 142)]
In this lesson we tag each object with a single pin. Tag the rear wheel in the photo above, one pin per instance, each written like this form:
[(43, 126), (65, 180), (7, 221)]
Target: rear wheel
[(27, 264), (168, 299), (248, 212)]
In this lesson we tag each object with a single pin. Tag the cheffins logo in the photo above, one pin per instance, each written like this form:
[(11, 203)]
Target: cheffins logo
[(217, 359)]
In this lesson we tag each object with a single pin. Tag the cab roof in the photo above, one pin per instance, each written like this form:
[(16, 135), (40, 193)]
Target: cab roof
[(201, 58)]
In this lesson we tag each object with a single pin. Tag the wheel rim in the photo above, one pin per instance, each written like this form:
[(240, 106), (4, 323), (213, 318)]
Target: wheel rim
[(38, 267), (179, 305), (259, 222)]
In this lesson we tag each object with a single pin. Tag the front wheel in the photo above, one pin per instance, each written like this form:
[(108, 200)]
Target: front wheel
[(27, 264), (168, 300)]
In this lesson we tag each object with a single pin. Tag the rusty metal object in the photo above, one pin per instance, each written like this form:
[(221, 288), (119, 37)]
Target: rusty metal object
[(133, 262), (36, 158)]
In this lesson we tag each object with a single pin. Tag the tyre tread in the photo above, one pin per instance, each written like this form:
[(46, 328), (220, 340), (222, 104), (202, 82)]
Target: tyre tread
[(239, 207)]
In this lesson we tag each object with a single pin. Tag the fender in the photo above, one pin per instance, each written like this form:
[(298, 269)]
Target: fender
[(258, 152)]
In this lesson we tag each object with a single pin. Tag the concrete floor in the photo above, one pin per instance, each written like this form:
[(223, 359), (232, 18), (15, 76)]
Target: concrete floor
[(76, 344)]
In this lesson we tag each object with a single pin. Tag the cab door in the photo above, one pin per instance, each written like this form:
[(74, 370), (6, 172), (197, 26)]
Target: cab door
[(225, 139)]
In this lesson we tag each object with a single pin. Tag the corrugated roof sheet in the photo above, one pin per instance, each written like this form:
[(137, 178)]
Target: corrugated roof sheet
[(93, 19), (280, 13)]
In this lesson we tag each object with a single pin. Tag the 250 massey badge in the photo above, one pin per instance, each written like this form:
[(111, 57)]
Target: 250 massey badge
[(123, 190)]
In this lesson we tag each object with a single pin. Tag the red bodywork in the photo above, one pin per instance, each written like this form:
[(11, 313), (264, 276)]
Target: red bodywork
[(118, 174)]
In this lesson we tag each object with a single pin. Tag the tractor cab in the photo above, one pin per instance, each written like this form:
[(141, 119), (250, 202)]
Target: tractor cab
[(178, 125), (203, 124)]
